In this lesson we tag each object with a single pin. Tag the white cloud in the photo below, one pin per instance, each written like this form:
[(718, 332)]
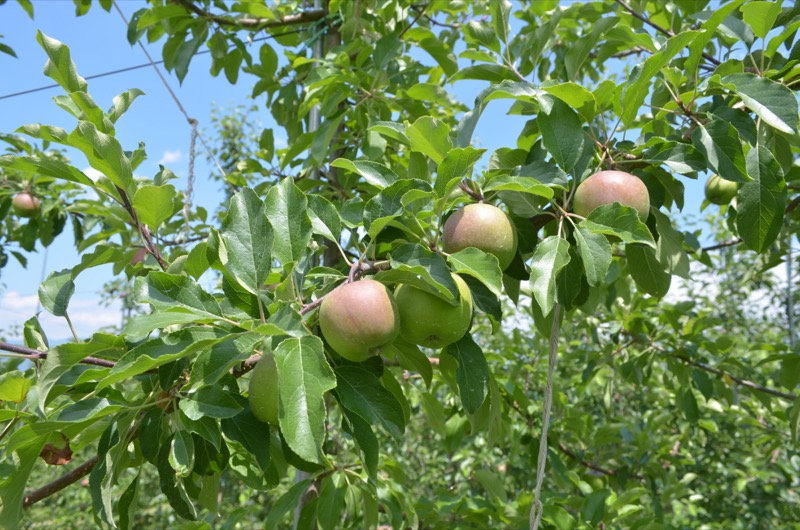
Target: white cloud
[(92, 173), (170, 157), (281, 142)]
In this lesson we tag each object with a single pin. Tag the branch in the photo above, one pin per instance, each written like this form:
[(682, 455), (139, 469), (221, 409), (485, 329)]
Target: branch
[(311, 15), (724, 244), (435, 22), (29, 353), (564, 449), (663, 31), (60, 483), (420, 13)]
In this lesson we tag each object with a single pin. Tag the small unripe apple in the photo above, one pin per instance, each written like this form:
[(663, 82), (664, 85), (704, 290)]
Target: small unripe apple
[(263, 390), (427, 320), (359, 319), (25, 205), (139, 257), (484, 227), (607, 187), (720, 191)]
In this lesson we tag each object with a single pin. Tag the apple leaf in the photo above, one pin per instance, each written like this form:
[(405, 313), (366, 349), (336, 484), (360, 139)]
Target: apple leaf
[(14, 386), (286, 503), (155, 204), (595, 252), (620, 221), (213, 364), (411, 358), (388, 204), (286, 208), (304, 377), (550, 256), (472, 373), (324, 216), (245, 241), (773, 102), (761, 202), (167, 292), (251, 433), (761, 16), (431, 137), (519, 184), (562, 132), (373, 173), (480, 265), (669, 249), (212, 402), (181, 453), (56, 291), (647, 271), (366, 440), (415, 265), (361, 392), (719, 144), (456, 164)]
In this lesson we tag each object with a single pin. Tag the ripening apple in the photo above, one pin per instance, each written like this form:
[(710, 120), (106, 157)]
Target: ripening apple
[(720, 191), (25, 204), (607, 187), (264, 390), (139, 257), (427, 320), (482, 226), (359, 319)]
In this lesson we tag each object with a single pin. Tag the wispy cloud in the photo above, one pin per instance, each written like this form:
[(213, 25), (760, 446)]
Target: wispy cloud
[(170, 157)]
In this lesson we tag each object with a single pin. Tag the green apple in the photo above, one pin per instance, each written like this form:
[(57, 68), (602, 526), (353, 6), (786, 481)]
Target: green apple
[(264, 390), (359, 319), (608, 187), (427, 320), (482, 226), (719, 190), (25, 205)]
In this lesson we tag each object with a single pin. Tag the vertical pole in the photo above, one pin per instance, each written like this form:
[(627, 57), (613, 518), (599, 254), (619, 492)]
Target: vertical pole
[(789, 292)]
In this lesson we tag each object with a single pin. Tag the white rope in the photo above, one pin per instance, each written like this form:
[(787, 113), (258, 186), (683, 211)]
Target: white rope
[(538, 508), (187, 196)]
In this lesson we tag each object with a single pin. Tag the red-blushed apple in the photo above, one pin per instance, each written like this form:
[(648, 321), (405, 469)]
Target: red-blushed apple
[(25, 205), (359, 319), (429, 321), (720, 191), (482, 226), (607, 187), (263, 390), (139, 257)]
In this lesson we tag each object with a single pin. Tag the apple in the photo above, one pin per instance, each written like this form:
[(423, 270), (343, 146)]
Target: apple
[(139, 257), (359, 319), (264, 390), (427, 320), (607, 187), (482, 226), (25, 205), (720, 191)]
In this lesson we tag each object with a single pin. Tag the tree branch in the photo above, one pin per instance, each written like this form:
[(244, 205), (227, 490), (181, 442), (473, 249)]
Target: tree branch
[(60, 483), (36, 355), (311, 15)]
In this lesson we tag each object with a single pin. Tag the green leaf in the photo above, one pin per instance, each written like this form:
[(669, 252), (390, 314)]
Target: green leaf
[(456, 164), (638, 86), (579, 50), (500, 14), (214, 363), (688, 404), (181, 453), (435, 46), (367, 442), (426, 270), (245, 239), (669, 249), (412, 359), (392, 130), (519, 184), (550, 256), (388, 204), (304, 377), (760, 16), (761, 203), (773, 102), (593, 508), (620, 221), (576, 96), (719, 144), (709, 31), (122, 103), (647, 271), (213, 402), (14, 386), (472, 373), (374, 173), (324, 216), (59, 66), (493, 73), (430, 137), (169, 292), (172, 487), (595, 252), (492, 484), (286, 209), (46, 166), (361, 392), (286, 503), (562, 133), (480, 265), (56, 291), (104, 154), (155, 204), (251, 433), (13, 486)]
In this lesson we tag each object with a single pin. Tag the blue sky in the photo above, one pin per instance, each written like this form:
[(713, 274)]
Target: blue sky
[(98, 44)]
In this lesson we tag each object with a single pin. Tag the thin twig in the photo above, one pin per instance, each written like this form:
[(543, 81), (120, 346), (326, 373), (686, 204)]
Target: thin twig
[(420, 13), (311, 15), (29, 353)]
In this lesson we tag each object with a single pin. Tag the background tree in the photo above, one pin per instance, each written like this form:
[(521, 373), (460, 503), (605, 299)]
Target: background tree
[(618, 373)]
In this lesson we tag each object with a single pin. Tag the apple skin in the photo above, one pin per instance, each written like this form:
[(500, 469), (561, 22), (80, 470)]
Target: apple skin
[(429, 321), (139, 257), (720, 191), (25, 205), (484, 227), (263, 392), (359, 319), (607, 187)]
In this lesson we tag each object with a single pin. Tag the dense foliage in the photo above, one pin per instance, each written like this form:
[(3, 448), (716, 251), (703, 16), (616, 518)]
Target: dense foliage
[(668, 349)]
